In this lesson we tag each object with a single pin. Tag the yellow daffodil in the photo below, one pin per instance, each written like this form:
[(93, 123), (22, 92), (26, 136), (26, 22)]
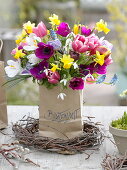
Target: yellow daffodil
[(28, 27), (54, 67), (54, 19), (99, 58), (102, 26), (19, 54), (67, 60), (21, 37), (76, 28)]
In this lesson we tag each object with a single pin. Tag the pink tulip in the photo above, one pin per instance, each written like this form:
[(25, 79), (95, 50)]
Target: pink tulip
[(82, 44), (53, 77), (79, 44), (93, 42), (108, 60), (40, 30)]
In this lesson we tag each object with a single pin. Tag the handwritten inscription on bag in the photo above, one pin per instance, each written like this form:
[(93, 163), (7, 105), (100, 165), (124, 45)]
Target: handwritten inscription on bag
[(62, 116)]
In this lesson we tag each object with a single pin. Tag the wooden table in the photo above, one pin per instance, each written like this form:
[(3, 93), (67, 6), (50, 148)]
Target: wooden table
[(52, 161)]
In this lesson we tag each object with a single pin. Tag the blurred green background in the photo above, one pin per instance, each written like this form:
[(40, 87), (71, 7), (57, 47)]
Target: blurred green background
[(14, 13)]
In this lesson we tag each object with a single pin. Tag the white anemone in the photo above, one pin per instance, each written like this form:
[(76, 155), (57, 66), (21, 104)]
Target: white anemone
[(13, 68)]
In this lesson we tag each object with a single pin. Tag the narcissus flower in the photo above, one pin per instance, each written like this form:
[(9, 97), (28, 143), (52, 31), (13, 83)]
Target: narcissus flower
[(76, 83), (18, 54), (21, 37), (99, 58), (102, 26), (54, 67), (76, 28), (28, 27), (54, 19), (67, 61)]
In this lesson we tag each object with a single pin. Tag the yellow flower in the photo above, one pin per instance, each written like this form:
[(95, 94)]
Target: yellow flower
[(54, 19), (54, 67), (29, 27), (102, 26), (67, 60), (21, 37), (99, 58), (76, 28), (19, 54)]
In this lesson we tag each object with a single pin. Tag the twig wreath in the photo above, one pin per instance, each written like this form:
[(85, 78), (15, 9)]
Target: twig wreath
[(26, 132)]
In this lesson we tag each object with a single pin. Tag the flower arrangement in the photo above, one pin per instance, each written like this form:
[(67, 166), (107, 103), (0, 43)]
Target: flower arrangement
[(61, 55)]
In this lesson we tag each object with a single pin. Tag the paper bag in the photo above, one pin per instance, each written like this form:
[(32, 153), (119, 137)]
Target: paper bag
[(60, 118), (3, 103)]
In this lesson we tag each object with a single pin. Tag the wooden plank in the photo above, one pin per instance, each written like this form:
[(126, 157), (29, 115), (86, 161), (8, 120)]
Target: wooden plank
[(52, 161)]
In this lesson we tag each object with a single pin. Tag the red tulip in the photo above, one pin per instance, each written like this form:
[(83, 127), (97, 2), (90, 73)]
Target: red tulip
[(53, 77)]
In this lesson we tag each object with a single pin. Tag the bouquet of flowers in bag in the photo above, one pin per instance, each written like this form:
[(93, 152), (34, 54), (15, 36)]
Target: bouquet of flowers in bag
[(61, 55)]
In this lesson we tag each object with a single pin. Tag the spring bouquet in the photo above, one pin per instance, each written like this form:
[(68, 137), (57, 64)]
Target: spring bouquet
[(63, 60)]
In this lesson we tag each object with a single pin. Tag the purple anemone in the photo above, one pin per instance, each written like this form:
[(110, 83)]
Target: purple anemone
[(44, 51), (38, 70), (76, 83)]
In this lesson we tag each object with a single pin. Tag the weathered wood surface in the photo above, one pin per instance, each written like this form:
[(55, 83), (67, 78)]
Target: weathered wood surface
[(52, 161)]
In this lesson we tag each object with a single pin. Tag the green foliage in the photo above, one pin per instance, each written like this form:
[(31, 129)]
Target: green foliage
[(120, 123)]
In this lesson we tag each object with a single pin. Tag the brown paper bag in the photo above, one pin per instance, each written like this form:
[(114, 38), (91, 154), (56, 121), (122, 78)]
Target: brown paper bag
[(60, 118), (3, 103)]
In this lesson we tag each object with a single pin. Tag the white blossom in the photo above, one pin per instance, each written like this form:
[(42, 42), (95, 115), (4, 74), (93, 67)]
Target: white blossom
[(75, 65), (31, 42), (64, 81), (88, 76), (33, 59), (13, 68), (61, 96), (46, 71)]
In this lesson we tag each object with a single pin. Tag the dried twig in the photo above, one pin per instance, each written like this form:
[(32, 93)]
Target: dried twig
[(114, 162), (26, 131), (14, 151)]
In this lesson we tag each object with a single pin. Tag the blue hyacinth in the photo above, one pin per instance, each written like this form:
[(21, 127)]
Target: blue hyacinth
[(53, 34), (101, 79), (114, 80)]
